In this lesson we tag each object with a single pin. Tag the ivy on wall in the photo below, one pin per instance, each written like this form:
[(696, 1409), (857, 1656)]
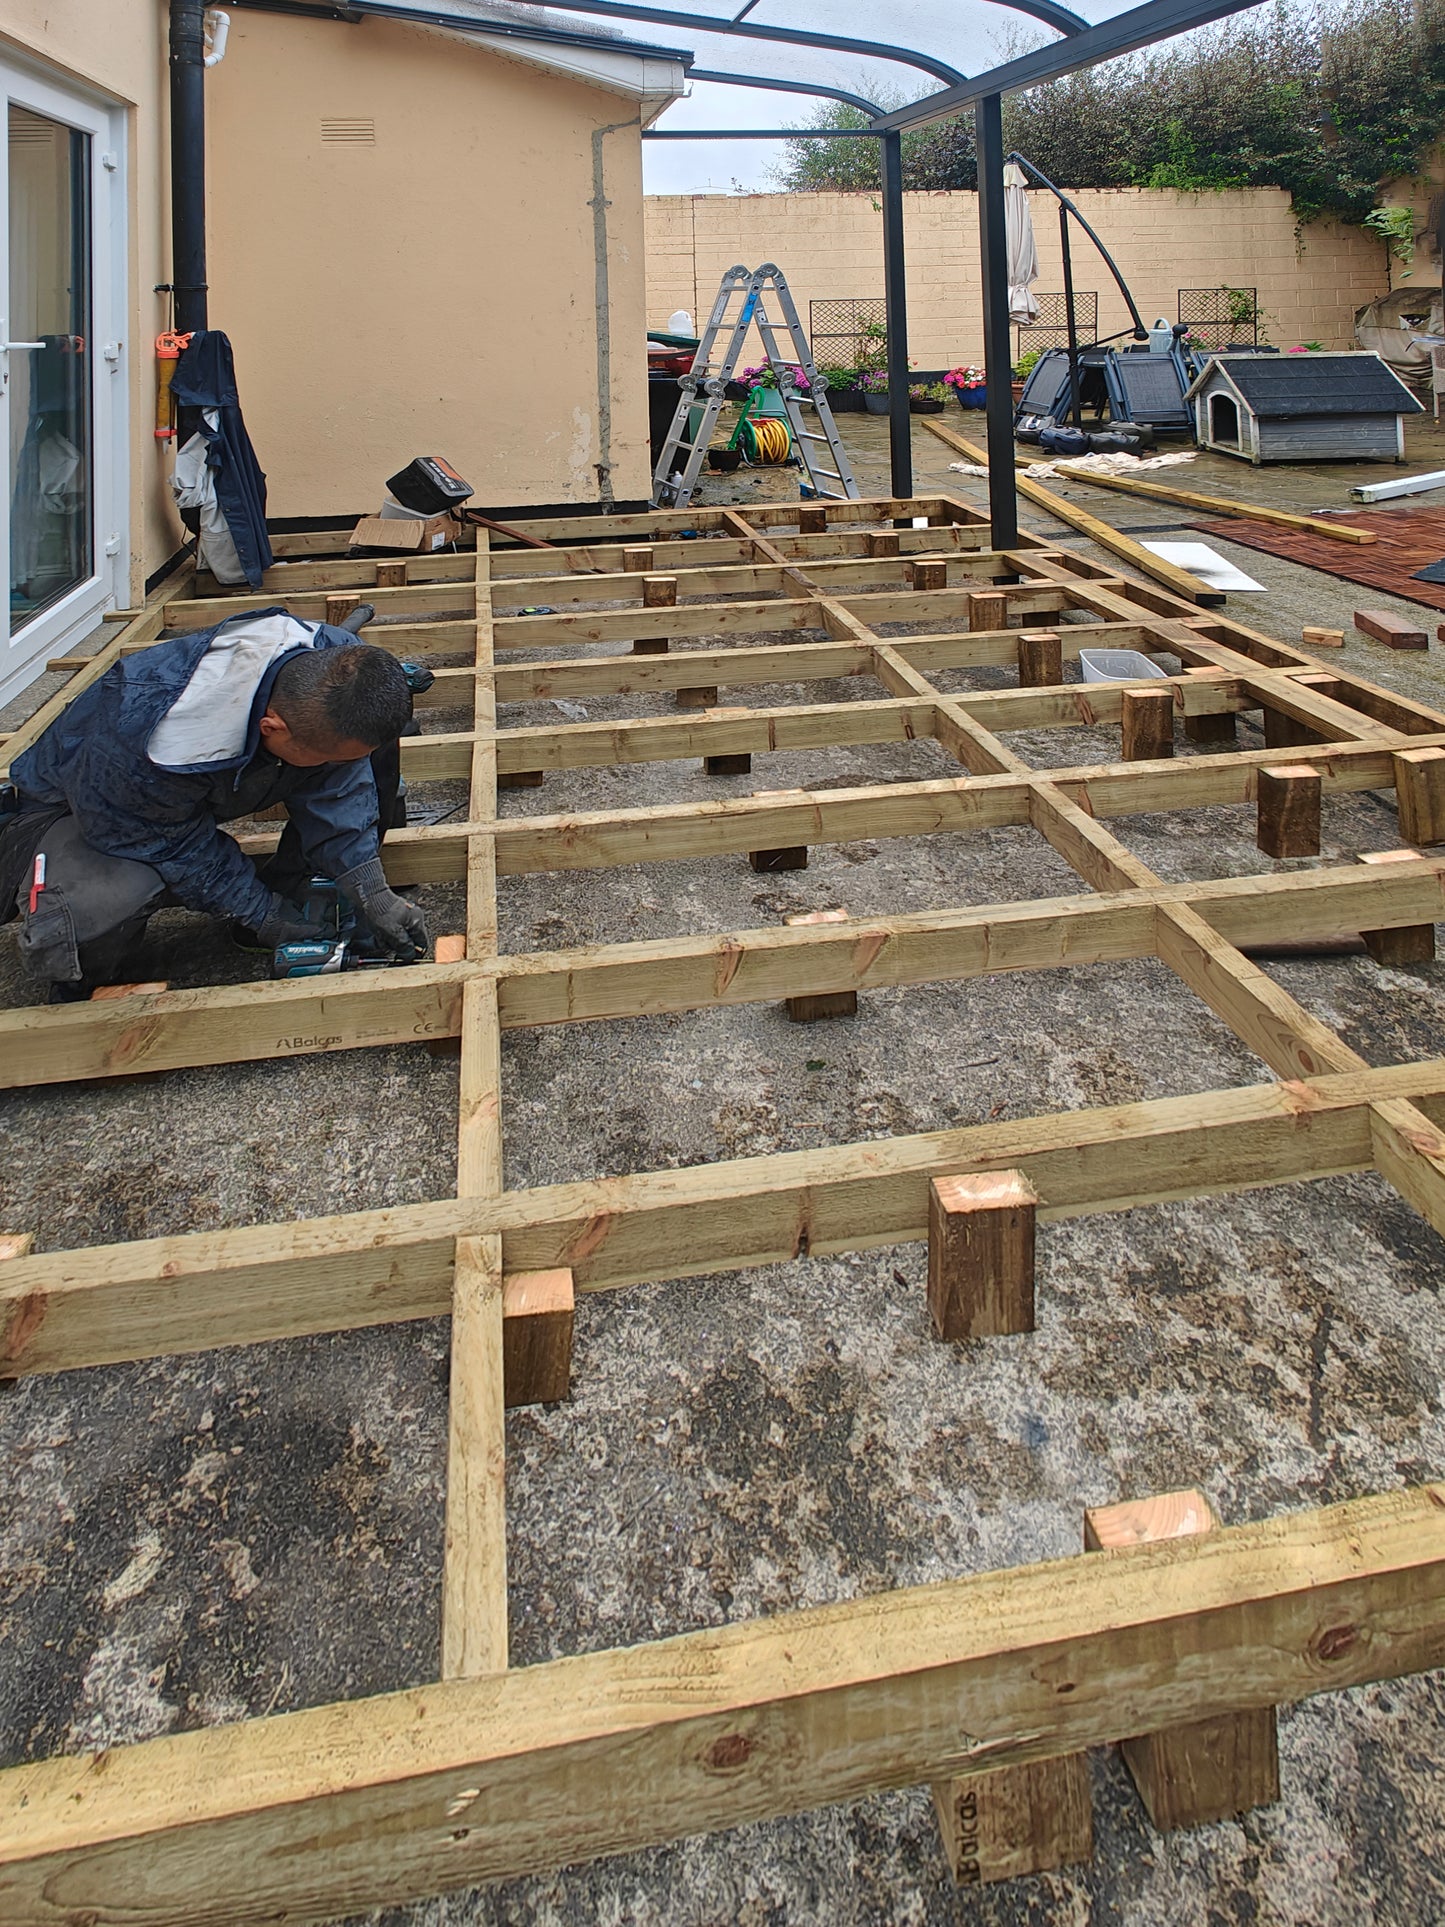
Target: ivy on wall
[(1325, 100)]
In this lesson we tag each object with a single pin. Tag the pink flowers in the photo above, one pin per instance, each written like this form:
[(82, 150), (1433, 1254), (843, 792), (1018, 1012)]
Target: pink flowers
[(966, 377)]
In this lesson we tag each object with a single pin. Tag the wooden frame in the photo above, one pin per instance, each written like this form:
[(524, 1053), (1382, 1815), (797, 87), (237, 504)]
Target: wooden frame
[(490, 1773)]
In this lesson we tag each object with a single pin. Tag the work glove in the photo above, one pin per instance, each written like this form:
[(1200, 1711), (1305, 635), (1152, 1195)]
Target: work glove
[(400, 927), (286, 922)]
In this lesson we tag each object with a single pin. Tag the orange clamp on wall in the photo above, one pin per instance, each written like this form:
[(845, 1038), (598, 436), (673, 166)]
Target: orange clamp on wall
[(168, 353)]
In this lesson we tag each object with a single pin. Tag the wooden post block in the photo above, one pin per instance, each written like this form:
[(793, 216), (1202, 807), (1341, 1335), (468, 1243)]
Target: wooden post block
[(1148, 718), (636, 561), (735, 763), (537, 1336), (1283, 732), (1019, 1820), (703, 697), (521, 779), (658, 592), (1322, 638), (449, 949), (1041, 659), (1288, 796), (1209, 729), (339, 607), (981, 1254), (987, 609), (882, 542), (828, 1003), (1413, 944), (1189, 1776), (930, 574), (16, 1244), (1393, 631), (1420, 794), (108, 991), (812, 521), (391, 575), (794, 857), (813, 1008)]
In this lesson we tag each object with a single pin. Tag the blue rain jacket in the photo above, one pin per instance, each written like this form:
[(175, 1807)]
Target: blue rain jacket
[(166, 746), (205, 378)]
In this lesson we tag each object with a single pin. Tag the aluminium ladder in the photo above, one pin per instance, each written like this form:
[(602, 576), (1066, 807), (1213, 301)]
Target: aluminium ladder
[(674, 481)]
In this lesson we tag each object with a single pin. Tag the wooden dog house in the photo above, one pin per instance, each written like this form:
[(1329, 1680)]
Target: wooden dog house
[(1301, 408)]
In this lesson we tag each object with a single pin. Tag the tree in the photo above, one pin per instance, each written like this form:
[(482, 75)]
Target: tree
[(1325, 98)]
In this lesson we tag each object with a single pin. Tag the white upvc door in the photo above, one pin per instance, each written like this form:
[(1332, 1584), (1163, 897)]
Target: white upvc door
[(63, 415)]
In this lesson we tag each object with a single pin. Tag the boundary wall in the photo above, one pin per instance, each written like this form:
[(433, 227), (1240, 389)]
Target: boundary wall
[(831, 245)]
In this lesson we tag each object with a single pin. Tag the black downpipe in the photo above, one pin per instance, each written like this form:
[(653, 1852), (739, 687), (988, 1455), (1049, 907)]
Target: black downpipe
[(188, 163), (1003, 504), (895, 292)]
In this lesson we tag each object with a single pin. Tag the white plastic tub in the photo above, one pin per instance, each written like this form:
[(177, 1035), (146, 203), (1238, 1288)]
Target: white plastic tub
[(1116, 665)]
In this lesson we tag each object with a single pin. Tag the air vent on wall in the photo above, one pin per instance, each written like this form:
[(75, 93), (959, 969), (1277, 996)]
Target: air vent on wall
[(349, 132)]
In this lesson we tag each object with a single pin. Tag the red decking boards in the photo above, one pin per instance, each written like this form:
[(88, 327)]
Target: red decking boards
[(1408, 540)]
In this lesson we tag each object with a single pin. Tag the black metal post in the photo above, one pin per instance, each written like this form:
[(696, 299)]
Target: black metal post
[(188, 162), (1003, 504), (1076, 408), (900, 428)]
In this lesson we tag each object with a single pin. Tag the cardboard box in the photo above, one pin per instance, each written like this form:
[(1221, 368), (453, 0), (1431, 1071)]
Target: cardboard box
[(406, 536)]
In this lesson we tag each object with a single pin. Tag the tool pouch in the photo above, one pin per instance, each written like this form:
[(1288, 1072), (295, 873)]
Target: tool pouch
[(47, 941), (20, 835)]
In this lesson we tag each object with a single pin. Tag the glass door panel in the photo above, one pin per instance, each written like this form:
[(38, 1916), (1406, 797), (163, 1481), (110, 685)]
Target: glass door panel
[(52, 477)]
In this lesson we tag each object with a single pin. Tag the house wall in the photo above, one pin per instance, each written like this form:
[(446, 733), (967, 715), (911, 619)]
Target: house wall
[(434, 291), (117, 48), (831, 246)]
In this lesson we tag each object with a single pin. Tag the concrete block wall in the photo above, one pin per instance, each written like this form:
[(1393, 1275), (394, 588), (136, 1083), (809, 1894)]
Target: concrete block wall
[(831, 246)]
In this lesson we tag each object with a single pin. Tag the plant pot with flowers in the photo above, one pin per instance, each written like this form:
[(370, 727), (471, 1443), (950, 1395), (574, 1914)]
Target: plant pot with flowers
[(967, 383), (927, 398), (873, 383), (843, 395)]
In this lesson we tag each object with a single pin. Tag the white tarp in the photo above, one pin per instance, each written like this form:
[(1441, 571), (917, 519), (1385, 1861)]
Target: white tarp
[(1023, 258)]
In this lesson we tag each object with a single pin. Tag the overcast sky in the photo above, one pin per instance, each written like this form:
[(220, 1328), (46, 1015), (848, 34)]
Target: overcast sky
[(969, 35)]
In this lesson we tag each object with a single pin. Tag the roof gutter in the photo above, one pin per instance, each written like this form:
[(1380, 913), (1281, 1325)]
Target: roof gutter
[(355, 11)]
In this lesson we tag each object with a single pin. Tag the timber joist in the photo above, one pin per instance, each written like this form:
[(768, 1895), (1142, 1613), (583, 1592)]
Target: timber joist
[(489, 1773)]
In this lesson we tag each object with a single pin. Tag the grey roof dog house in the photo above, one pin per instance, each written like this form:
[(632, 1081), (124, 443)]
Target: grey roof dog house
[(1301, 408)]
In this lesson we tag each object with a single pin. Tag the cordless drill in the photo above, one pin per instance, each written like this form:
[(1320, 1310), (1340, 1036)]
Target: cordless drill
[(337, 949)]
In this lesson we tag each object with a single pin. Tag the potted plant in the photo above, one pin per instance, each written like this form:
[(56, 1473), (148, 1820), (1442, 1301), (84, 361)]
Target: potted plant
[(1023, 368), (927, 398), (967, 383), (873, 383), (844, 397)]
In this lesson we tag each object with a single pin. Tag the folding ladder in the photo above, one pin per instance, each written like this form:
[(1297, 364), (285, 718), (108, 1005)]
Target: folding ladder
[(675, 479)]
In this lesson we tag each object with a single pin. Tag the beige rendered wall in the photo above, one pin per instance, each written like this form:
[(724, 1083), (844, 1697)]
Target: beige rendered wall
[(435, 292), (831, 245), (118, 48)]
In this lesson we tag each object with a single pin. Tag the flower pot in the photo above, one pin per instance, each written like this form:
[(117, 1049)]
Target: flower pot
[(845, 401), (927, 406), (972, 397), (876, 404), (1018, 390)]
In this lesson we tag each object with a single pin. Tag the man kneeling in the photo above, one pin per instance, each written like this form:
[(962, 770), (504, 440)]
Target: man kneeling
[(115, 811)]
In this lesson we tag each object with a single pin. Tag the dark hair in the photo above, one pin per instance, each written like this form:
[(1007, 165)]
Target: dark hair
[(354, 694)]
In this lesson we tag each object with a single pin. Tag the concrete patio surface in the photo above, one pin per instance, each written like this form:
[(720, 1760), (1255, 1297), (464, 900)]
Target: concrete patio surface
[(244, 1532)]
